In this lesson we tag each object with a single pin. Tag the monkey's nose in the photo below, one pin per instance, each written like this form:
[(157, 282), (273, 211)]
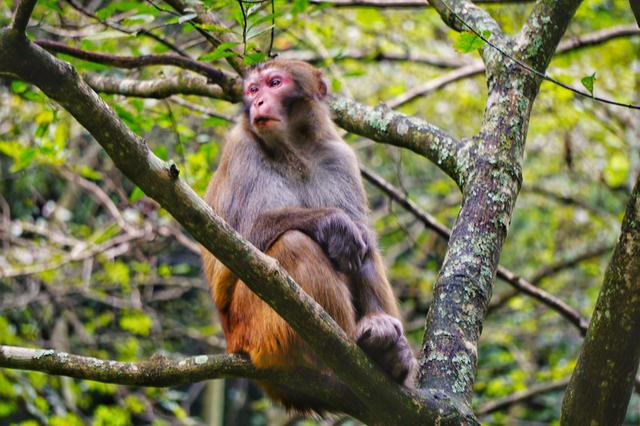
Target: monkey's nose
[(260, 102)]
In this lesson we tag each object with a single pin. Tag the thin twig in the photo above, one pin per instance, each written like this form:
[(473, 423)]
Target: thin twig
[(518, 397)]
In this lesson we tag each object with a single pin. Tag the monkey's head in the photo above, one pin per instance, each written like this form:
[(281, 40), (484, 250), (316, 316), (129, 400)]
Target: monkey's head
[(283, 98)]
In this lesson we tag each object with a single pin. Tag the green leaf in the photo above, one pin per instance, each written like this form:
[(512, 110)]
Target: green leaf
[(222, 51), (215, 121), (254, 58), (256, 31), (469, 42), (588, 81), (136, 194), (299, 6), (18, 86)]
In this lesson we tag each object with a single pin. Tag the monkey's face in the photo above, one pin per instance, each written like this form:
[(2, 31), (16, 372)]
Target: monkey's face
[(266, 95)]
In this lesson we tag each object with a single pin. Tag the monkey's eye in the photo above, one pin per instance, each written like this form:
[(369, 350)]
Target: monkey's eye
[(275, 82), (253, 89)]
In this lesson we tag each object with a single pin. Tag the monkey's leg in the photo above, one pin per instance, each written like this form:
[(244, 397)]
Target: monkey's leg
[(257, 330), (379, 332)]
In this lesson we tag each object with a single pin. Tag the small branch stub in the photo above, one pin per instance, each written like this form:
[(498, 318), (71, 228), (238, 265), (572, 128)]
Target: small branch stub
[(174, 172)]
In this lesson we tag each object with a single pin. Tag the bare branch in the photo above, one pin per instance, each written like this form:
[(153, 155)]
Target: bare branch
[(522, 396), (160, 371), (183, 84), (385, 125), (78, 253), (437, 83), (226, 81), (22, 15), (98, 194), (199, 108), (553, 302)]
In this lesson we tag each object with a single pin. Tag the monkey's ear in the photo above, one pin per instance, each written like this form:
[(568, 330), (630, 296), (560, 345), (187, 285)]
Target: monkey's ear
[(323, 87)]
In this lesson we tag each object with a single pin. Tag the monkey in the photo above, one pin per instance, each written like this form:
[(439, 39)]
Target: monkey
[(288, 183)]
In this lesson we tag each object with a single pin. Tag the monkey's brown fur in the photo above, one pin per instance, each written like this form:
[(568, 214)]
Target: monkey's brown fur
[(288, 183)]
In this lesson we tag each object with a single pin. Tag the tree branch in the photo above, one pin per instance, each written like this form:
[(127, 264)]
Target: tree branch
[(22, 15), (160, 371), (522, 396), (472, 14), (385, 125), (229, 83), (603, 378), (183, 84), (540, 35)]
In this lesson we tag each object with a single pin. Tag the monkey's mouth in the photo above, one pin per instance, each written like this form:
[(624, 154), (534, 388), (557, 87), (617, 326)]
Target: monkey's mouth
[(264, 120)]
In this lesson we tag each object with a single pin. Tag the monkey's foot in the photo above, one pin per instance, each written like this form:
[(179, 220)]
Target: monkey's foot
[(382, 338)]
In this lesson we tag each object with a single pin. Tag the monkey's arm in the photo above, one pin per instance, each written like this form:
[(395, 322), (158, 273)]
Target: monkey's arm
[(339, 236)]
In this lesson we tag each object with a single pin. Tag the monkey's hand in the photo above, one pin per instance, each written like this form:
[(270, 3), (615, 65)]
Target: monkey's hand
[(381, 336), (342, 240)]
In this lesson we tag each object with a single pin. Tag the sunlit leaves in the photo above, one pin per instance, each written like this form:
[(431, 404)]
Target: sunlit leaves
[(137, 322), (468, 42), (224, 50)]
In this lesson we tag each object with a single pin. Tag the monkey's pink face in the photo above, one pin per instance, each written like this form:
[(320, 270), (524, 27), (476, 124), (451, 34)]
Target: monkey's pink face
[(264, 94)]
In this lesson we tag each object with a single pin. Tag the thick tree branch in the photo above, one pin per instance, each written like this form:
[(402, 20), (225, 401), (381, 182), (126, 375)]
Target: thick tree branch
[(543, 30), (160, 371), (22, 15), (603, 378), (385, 125), (387, 402), (478, 18)]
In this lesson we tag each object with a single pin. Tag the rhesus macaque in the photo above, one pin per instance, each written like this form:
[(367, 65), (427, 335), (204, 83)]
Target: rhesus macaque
[(290, 185)]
